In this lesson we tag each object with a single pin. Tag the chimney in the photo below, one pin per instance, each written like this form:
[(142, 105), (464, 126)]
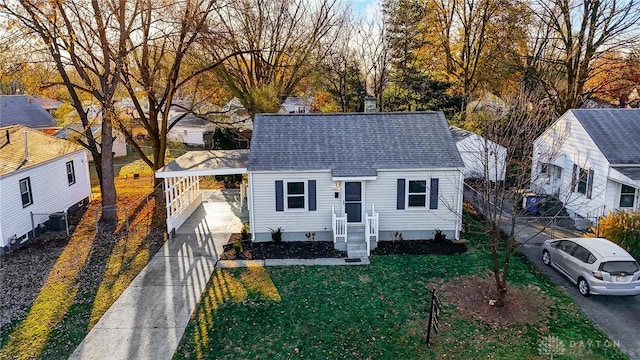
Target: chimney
[(8, 138), (26, 147), (369, 104)]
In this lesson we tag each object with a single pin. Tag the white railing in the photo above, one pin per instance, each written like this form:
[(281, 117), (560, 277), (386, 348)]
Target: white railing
[(339, 225), (371, 228)]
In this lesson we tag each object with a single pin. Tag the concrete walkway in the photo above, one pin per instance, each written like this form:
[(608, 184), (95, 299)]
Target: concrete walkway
[(149, 318)]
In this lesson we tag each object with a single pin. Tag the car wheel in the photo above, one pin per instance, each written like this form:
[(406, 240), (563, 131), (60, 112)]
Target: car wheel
[(583, 287), (546, 257)]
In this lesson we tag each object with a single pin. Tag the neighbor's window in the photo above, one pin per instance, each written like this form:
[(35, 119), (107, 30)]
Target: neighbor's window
[(71, 173), (627, 196), (417, 193), (25, 192), (582, 181), (295, 195)]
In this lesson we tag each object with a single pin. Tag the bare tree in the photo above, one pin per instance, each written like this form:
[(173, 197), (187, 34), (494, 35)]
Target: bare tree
[(89, 39), (579, 33), (375, 57), (163, 60), (276, 44), (479, 37), (515, 129)]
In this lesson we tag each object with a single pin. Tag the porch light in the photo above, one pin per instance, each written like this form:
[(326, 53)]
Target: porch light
[(336, 186)]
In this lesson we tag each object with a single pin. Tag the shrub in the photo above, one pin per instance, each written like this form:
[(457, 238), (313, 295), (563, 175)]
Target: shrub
[(245, 234), (439, 236), (622, 228), (237, 248), (276, 235)]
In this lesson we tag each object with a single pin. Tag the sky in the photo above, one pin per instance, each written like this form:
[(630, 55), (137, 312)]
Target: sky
[(364, 8)]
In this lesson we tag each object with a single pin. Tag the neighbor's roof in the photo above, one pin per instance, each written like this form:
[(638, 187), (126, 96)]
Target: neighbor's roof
[(46, 103), (352, 144), (76, 130), (23, 110), (458, 133), (207, 162), (41, 148), (614, 131), (189, 120)]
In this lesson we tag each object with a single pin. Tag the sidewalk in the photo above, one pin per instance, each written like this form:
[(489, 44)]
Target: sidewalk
[(149, 318)]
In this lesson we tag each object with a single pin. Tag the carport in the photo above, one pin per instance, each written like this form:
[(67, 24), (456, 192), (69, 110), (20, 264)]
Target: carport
[(182, 180)]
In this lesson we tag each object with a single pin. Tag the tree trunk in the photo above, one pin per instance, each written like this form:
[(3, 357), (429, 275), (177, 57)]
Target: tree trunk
[(108, 188)]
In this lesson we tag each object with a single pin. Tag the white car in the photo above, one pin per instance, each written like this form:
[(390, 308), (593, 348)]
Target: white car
[(597, 266)]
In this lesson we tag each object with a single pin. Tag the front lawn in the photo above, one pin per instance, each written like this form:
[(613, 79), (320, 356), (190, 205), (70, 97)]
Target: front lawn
[(380, 312)]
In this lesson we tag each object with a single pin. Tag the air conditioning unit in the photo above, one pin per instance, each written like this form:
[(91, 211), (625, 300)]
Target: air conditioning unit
[(57, 221)]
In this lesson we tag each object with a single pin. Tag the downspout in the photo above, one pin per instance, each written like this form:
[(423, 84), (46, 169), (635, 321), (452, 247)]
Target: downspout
[(459, 220), (250, 208)]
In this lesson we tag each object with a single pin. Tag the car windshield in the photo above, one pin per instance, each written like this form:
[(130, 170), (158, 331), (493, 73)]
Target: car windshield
[(628, 267)]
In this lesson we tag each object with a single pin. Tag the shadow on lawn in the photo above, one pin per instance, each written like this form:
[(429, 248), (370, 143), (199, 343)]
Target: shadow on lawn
[(85, 279)]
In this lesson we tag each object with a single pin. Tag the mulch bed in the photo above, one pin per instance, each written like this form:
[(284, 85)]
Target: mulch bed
[(419, 247), (283, 250), (324, 249)]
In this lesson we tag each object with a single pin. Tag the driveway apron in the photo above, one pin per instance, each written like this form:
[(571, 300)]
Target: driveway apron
[(150, 316)]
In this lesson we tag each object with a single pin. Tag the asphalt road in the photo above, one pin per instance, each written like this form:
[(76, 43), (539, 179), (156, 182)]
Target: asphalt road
[(618, 316)]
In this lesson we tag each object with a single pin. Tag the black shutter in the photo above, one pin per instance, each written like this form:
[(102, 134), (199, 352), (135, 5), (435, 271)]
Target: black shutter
[(400, 199), (279, 195), (589, 183), (312, 195), (433, 194)]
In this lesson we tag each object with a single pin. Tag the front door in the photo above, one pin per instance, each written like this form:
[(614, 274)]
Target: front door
[(353, 201)]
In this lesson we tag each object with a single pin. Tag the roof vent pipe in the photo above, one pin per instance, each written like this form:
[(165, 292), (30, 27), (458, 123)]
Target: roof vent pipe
[(26, 147), (8, 138)]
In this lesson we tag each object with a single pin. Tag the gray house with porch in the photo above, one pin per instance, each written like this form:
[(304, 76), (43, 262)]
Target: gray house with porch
[(353, 178)]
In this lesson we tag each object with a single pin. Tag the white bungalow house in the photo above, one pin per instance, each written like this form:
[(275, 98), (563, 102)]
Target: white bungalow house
[(352, 178), (189, 129), (296, 105), (39, 175), (75, 131), (590, 159), (483, 159)]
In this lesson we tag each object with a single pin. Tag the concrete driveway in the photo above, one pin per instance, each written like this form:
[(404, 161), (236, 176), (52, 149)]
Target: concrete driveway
[(150, 316), (618, 316)]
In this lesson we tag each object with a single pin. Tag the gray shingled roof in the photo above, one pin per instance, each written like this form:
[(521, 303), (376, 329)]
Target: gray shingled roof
[(352, 144), (616, 132), (23, 110), (189, 120)]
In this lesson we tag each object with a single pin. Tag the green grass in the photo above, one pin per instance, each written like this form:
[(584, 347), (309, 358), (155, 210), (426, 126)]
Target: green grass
[(378, 311)]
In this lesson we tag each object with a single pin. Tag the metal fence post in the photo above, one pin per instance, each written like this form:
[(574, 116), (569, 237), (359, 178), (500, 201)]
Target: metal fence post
[(66, 220)]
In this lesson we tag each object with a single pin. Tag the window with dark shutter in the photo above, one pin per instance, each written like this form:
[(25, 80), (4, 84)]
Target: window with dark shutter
[(311, 185), (279, 195), (433, 194), (400, 194)]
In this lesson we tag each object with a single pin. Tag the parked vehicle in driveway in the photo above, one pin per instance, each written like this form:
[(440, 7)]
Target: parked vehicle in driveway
[(597, 266)]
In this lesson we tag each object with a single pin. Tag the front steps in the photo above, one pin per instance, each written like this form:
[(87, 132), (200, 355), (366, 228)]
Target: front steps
[(356, 246)]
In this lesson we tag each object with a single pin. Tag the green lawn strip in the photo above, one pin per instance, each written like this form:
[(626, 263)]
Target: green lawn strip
[(377, 311)]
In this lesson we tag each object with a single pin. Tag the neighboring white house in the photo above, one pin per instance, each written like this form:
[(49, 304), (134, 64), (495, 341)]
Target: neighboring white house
[(39, 175), (590, 159), (342, 177), (189, 129), (483, 159), (75, 131), (296, 105)]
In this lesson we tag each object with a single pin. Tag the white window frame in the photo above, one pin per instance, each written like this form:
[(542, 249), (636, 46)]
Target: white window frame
[(303, 195), (71, 172), (28, 191), (425, 194)]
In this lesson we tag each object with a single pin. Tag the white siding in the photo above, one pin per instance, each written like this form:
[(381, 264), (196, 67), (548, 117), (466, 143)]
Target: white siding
[(50, 190), (564, 144), (381, 193), (482, 159), (187, 134), (264, 204)]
